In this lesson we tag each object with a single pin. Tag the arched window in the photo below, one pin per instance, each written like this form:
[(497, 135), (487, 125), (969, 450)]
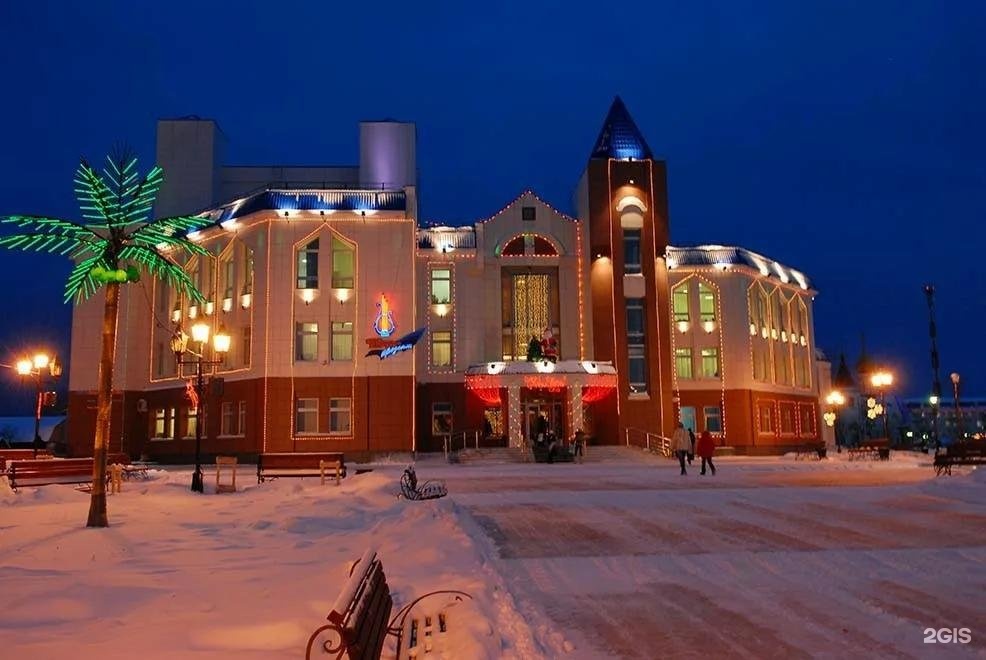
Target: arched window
[(706, 303), (343, 264), (679, 302), (308, 265), (528, 245)]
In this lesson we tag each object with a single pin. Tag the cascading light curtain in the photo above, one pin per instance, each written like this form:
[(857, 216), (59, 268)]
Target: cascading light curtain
[(531, 315)]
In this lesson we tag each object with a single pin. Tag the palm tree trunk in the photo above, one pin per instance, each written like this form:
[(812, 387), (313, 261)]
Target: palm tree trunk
[(104, 403)]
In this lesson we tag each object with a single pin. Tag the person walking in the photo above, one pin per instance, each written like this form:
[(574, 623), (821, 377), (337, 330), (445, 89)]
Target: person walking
[(691, 452), (682, 444), (578, 446), (705, 449)]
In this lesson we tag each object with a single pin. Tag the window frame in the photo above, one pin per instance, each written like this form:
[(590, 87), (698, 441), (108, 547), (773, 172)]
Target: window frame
[(632, 242), (637, 346), (299, 410), (443, 342), (681, 293), (447, 410), (682, 353), (335, 409), (310, 279), (341, 280), (765, 411), (300, 334), (227, 418), (343, 332), (709, 355), (706, 294), (191, 420), (717, 415), (433, 280)]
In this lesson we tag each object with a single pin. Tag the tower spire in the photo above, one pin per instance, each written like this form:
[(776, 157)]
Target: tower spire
[(619, 137)]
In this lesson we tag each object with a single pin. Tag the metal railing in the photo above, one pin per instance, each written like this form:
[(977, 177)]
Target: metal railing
[(456, 441), (651, 442)]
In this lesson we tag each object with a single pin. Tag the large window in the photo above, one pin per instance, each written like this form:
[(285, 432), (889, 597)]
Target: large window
[(191, 422), (787, 418), (710, 363), (241, 417), (713, 419), (247, 346), (441, 348), (343, 264), (306, 416), (631, 251), (441, 286), (228, 421), (164, 423), (306, 342), (636, 345), (765, 418), (441, 418), (807, 420), (308, 266), (683, 362), (339, 415), (228, 275), (679, 301), (342, 340), (706, 303)]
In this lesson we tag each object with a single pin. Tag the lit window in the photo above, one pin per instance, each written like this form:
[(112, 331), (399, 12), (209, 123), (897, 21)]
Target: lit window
[(241, 427), (706, 303), (713, 419), (228, 426), (191, 422), (787, 418), (710, 363), (631, 251), (343, 265), (679, 299), (306, 342), (339, 415), (683, 362), (342, 340), (636, 345), (306, 416), (765, 415), (308, 266), (441, 348), (441, 418), (441, 286), (247, 270), (164, 423)]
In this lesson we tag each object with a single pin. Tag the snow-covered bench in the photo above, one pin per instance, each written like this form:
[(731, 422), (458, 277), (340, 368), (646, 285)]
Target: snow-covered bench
[(47, 471), (964, 453), (301, 464), (871, 449), (359, 621), (412, 490)]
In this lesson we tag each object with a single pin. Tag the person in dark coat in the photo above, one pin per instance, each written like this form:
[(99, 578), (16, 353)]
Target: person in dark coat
[(691, 453), (705, 449)]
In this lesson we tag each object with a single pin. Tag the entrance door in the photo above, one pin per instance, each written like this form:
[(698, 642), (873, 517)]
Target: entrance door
[(552, 413)]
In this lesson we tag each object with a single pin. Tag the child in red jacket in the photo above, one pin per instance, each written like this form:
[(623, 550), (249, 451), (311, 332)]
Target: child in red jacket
[(705, 448)]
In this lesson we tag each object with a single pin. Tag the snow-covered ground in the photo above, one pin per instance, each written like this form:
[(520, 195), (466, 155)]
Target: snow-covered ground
[(621, 558)]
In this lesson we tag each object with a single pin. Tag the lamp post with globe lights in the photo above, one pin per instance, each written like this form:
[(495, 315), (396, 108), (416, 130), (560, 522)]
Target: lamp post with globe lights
[(958, 412), (179, 345), (37, 367), (835, 400), (882, 380)]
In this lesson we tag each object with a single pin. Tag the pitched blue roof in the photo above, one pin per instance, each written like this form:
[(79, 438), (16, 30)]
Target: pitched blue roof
[(620, 138)]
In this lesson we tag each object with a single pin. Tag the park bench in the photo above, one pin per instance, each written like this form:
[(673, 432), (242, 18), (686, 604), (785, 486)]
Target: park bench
[(46, 471), (412, 490), (300, 464), (359, 621), (810, 450), (874, 449), (970, 452)]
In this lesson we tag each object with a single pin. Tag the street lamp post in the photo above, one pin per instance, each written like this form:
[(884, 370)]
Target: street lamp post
[(881, 380), (179, 345), (958, 412), (929, 292), (835, 400), (36, 367)]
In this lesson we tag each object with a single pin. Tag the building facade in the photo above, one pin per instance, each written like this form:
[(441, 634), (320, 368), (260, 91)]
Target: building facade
[(529, 318)]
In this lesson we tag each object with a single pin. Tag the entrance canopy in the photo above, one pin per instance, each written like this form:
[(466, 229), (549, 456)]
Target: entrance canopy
[(577, 383)]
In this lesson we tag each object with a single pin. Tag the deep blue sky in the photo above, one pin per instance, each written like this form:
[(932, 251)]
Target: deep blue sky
[(844, 139)]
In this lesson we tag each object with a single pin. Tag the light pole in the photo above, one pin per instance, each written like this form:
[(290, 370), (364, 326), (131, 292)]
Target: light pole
[(220, 345), (929, 292), (835, 400), (881, 380), (958, 412), (36, 367)]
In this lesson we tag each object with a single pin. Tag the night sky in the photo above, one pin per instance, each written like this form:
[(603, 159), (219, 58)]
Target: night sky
[(845, 140)]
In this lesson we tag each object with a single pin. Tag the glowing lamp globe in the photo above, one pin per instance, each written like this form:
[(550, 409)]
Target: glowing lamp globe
[(41, 361), (200, 332), (221, 341), (24, 367)]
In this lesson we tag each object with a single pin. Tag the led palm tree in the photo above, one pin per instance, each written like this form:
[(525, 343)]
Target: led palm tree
[(112, 245)]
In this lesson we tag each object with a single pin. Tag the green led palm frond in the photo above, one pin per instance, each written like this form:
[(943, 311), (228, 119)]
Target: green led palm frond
[(172, 233), (63, 245), (162, 268), (97, 201), (81, 284), (53, 226), (141, 195)]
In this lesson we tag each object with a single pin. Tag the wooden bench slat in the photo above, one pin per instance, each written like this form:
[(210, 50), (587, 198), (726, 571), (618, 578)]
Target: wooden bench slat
[(344, 601)]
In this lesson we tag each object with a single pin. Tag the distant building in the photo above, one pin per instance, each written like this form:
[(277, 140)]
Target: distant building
[(970, 420), (315, 271)]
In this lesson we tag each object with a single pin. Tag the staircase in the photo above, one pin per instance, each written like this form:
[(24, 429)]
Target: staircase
[(492, 456), (616, 453)]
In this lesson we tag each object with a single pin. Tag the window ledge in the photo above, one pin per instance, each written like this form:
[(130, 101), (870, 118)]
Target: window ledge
[(161, 439), (227, 436), (639, 396)]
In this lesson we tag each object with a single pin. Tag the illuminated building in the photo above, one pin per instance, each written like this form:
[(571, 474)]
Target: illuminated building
[(319, 274)]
